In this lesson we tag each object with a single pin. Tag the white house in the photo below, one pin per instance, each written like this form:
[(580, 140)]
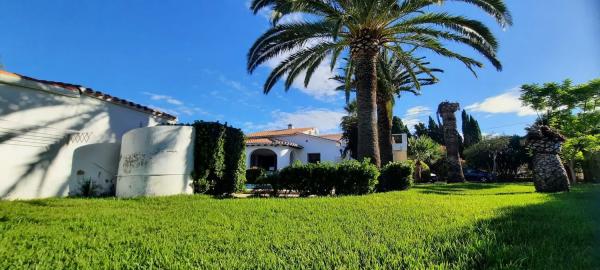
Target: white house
[(276, 149), (46, 125)]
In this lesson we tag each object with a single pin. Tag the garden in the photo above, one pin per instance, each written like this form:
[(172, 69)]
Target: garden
[(458, 226)]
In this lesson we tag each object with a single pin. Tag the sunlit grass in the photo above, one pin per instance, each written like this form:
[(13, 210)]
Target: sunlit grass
[(432, 226)]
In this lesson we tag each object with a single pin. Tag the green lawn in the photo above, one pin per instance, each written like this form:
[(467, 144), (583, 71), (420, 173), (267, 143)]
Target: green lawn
[(432, 226)]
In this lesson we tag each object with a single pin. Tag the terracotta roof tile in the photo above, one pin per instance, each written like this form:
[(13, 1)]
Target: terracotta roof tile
[(93, 93), (270, 142), (280, 132), (335, 137)]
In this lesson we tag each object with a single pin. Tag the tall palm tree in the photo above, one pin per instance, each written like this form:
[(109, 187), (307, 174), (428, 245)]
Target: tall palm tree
[(392, 79), (360, 29)]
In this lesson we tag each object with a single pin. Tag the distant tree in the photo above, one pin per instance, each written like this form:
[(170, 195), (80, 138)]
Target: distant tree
[(503, 155), (420, 130), (470, 129), (435, 131), (423, 150), (398, 127), (349, 126)]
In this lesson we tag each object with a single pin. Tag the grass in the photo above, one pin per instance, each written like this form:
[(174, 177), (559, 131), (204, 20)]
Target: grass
[(466, 226)]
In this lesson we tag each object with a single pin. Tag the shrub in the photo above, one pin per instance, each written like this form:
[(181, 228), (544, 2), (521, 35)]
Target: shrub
[(396, 176), (219, 158), (234, 174), (254, 174), (320, 180), (354, 177)]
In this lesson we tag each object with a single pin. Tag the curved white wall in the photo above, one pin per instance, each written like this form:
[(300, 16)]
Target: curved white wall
[(96, 163), (156, 161)]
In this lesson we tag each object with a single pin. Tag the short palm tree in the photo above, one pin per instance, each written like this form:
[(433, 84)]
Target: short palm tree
[(423, 150), (392, 80), (361, 29)]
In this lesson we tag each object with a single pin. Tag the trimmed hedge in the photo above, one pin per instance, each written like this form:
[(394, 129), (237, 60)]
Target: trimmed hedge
[(254, 174), (348, 177), (219, 158), (396, 176)]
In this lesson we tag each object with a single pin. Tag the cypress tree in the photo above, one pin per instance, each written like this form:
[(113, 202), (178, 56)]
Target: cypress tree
[(420, 130), (435, 132)]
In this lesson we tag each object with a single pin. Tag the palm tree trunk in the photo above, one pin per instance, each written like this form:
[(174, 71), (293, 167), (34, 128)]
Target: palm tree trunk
[(451, 140), (366, 96), (384, 125)]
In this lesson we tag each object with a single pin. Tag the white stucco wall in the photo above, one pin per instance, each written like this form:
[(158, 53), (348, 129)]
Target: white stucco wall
[(329, 149), (41, 128), (282, 152), (156, 161)]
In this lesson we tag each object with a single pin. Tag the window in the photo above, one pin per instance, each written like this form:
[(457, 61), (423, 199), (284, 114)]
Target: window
[(314, 157)]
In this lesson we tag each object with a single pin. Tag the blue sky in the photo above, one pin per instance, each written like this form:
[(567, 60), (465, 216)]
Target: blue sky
[(189, 58)]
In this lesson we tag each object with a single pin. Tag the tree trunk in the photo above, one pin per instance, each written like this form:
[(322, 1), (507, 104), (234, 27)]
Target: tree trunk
[(384, 125), (366, 96), (571, 172), (451, 140)]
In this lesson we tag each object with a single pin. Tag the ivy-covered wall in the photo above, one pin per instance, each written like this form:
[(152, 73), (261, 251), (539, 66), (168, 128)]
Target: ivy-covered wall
[(219, 158)]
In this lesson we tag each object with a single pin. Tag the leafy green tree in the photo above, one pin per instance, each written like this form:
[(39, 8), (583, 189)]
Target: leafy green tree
[(423, 150), (502, 155), (398, 127), (572, 110), (361, 29)]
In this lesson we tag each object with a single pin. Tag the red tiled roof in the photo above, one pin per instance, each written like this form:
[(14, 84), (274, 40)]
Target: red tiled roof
[(335, 137), (280, 132), (270, 142), (93, 93)]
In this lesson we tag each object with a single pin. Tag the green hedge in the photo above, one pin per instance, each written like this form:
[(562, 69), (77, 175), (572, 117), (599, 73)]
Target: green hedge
[(396, 176), (254, 174), (348, 177), (219, 158)]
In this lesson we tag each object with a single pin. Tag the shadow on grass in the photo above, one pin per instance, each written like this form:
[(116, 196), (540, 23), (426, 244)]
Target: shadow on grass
[(463, 189), (563, 233)]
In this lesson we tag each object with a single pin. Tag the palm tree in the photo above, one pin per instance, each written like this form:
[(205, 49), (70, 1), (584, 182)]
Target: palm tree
[(423, 150), (361, 29), (392, 79), (349, 129), (452, 140)]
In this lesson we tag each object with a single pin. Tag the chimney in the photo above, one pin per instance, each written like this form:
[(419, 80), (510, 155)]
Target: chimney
[(290, 126)]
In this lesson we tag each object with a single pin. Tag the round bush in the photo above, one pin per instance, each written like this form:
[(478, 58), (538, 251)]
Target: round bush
[(396, 176)]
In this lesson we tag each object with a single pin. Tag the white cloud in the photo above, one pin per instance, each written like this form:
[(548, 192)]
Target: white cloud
[(324, 120), (174, 106), (414, 115), (507, 102), (165, 98)]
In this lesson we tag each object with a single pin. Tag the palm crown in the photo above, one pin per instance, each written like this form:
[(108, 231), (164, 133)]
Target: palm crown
[(352, 25), (361, 29)]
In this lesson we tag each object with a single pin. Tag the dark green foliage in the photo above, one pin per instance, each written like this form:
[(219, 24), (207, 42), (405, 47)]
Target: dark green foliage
[(87, 188), (398, 127), (440, 168), (507, 151), (435, 131), (348, 177), (396, 176), (234, 175), (349, 126), (420, 130), (254, 174), (470, 129), (354, 177), (219, 158)]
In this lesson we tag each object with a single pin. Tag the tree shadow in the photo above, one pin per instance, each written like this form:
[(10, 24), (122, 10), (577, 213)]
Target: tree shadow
[(465, 189), (560, 233)]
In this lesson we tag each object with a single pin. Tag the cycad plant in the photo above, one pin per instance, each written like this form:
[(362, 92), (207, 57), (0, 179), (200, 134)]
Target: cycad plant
[(360, 29)]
